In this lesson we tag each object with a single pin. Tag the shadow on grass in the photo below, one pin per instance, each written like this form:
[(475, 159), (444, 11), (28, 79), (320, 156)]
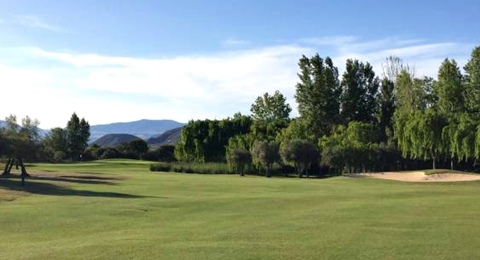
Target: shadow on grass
[(37, 187), (73, 179)]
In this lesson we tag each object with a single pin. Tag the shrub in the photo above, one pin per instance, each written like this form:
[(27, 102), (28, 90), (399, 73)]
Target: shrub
[(200, 168)]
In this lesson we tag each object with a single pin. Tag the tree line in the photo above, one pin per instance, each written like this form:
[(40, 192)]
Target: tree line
[(22, 140), (357, 121)]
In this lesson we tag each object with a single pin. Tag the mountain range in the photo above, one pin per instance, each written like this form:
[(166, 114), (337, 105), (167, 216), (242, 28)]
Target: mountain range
[(142, 128), (155, 132)]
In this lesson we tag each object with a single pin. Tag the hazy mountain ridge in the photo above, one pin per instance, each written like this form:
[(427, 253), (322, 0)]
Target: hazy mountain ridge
[(112, 140), (170, 137), (142, 128)]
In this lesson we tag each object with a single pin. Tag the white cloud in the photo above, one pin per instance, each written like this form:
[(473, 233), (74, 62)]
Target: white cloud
[(106, 89), (235, 43), (37, 22)]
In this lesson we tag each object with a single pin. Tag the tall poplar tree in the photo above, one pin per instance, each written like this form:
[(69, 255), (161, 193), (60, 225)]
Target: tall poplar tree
[(318, 95), (449, 88), (472, 70), (386, 109), (360, 86)]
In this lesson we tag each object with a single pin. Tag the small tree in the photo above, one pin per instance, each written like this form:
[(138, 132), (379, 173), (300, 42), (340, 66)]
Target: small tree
[(238, 159), (265, 154), (301, 154)]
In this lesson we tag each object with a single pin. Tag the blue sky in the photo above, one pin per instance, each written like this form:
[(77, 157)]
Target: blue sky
[(115, 60)]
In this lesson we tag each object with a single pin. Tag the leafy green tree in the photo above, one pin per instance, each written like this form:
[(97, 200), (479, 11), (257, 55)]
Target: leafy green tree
[(4, 143), (296, 129), (409, 93), (472, 70), (265, 154), (423, 136), (22, 141), (166, 153), (360, 86), (386, 103), (301, 154), (355, 148), (450, 89), (55, 141), (271, 108), (239, 159), (413, 97), (206, 140), (24, 138), (134, 149), (78, 133), (270, 114), (318, 95), (463, 144)]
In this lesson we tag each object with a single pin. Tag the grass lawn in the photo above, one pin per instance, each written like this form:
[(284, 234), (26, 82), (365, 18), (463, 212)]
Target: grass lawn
[(117, 209)]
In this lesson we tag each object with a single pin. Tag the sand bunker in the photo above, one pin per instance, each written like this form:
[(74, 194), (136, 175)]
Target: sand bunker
[(419, 176)]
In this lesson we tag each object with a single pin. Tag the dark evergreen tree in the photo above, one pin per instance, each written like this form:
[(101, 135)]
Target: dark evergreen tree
[(78, 133), (386, 103), (360, 86)]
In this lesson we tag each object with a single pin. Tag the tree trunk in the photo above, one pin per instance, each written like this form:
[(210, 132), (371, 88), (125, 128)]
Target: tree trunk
[(7, 165), (10, 167), (451, 163), (22, 166), (434, 165), (300, 171)]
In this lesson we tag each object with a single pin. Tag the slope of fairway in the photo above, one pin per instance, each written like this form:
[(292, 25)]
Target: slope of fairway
[(120, 210)]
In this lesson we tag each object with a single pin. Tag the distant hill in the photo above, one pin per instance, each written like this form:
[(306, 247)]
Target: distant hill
[(170, 137), (112, 140), (141, 128)]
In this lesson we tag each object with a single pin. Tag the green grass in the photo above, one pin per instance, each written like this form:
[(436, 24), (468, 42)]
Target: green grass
[(117, 209), (441, 171)]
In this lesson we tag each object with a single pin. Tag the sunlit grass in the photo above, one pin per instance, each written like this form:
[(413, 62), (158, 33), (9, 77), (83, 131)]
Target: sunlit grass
[(118, 209)]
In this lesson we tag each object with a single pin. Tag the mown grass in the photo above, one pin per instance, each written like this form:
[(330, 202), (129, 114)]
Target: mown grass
[(118, 209), (442, 171)]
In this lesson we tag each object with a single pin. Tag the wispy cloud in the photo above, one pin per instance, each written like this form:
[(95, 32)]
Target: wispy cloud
[(106, 89), (37, 22), (329, 40), (235, 43), (424, 56)]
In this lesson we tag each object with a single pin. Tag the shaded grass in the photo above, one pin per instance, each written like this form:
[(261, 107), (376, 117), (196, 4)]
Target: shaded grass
[(192, 167), (177, 216), (442, 171)]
